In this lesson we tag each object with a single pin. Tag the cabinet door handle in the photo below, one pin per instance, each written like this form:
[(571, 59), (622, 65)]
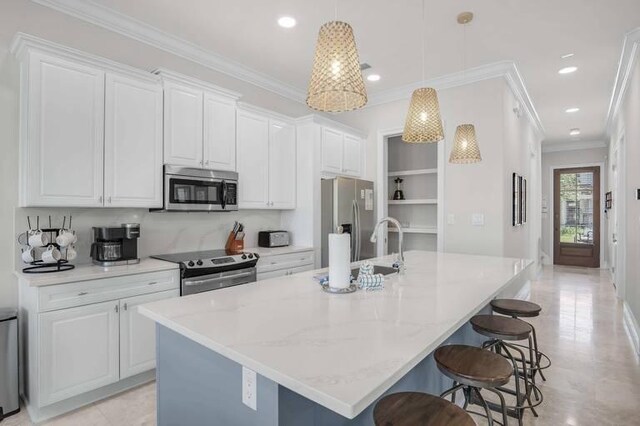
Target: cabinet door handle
[(153, 283), (100, 199), (124, 306), (117, 309), (82, 293), (109, 200)]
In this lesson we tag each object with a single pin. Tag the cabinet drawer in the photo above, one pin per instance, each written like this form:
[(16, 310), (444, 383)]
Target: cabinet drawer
[(284, 272), (86, 292), (285, 261)]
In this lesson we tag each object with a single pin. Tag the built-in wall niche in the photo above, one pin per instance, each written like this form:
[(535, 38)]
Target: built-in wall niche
[(417, 166)]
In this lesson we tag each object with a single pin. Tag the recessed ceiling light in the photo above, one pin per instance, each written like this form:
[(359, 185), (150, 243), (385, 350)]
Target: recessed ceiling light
[(574, 132), (287, 22), (570, 110), (373, 77), (568, 55), (568, 70)]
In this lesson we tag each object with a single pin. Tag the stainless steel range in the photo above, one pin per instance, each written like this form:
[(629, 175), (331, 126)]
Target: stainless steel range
[(212, 270)]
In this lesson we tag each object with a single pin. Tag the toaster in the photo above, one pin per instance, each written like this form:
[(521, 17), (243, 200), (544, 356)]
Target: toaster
[(273, 238)]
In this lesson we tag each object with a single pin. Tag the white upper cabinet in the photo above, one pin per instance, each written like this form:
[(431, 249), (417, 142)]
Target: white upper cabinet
[(62, 141), (351, 157), (341, 153), (253, 161), (199, 123), (133, 143), (266, 160), (282, 165), (182, 125), (91, 130), (332, 141), (219, 132)]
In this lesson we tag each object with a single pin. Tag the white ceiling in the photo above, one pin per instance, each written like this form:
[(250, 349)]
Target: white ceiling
[(534, 34)]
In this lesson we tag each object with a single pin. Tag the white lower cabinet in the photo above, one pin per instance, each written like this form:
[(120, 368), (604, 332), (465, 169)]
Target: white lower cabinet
[(88, 336), (78, 350), (284, 264), (138, 334)]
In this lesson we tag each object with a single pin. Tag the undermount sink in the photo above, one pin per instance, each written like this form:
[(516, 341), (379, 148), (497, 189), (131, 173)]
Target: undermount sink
[(384, 270)]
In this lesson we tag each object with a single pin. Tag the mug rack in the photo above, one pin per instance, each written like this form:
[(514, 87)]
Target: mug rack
[(38, 266)]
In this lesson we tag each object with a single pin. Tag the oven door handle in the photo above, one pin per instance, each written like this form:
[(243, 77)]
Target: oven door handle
[(217, 279)]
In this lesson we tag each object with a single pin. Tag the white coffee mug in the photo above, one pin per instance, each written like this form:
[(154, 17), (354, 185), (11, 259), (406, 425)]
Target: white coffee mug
[(71, 253), (29, 255), (51, 255), (38, 239), (65, 238)]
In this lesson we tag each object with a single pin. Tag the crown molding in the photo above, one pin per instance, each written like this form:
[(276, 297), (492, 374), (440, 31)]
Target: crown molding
[(243, 106), (503, 69), (23, 43), (324, 121), (190, 81), (627, 61), (117, 22), (572, 146)]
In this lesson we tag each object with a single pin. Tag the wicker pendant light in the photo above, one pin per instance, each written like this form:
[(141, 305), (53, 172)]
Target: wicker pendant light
[(423, 123), (465, 145), (336, 83)]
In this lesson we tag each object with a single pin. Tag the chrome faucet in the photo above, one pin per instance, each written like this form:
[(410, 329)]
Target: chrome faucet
[(374, 237)]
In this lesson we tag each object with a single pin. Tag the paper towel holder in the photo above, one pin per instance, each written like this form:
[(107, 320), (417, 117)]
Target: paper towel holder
[(328, 289)]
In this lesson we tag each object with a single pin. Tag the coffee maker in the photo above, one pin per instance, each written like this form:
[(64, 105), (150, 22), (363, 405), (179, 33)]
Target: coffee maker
[(115, 245)]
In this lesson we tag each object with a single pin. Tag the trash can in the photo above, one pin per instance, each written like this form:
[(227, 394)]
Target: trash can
[(9, 399)]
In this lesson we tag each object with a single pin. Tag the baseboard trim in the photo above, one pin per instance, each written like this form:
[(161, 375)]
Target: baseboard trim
[(632, 328), (40, 414)]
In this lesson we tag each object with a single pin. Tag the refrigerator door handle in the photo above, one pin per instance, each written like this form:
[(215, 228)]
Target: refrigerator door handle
[(354, 229), (359, 234)]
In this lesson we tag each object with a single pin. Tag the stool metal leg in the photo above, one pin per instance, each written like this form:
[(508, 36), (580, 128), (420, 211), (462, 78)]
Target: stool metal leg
[(538, 355), (503, 404), (484, 405)]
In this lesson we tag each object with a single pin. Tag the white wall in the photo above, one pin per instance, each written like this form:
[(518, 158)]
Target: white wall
[(184, 231), (626, 206), (561, 159), (474, 188)]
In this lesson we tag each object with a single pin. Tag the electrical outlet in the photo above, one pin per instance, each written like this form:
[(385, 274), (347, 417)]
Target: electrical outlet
[(249, 388), (451, 219), (477, 219)]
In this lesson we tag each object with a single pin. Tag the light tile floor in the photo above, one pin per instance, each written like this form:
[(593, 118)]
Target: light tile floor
[(594, 379)]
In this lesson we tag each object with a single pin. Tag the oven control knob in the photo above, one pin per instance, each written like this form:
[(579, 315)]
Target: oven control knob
[(250, 256), (244, 256), (256, 255), (191, 264), (199, 262)]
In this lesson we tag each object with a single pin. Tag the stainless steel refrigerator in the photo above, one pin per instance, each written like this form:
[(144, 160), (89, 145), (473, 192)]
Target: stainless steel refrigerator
[(348, 203)]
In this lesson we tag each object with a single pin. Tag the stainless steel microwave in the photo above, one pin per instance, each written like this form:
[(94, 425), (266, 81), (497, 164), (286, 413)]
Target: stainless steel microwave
[(189, 189)]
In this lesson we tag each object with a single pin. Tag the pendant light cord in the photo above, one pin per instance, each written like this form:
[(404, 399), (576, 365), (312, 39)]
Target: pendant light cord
[(424, 47), (336, 10)]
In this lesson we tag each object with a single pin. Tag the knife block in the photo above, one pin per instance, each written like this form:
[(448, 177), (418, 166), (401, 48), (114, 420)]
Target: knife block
[(233, 245)]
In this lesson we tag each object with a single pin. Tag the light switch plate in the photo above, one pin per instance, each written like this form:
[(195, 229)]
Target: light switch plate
[(477, 219), (249, 388), (451, 219)]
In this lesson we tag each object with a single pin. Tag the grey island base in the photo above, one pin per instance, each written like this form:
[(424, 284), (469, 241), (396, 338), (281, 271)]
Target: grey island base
[(198, 387), (319, 358)]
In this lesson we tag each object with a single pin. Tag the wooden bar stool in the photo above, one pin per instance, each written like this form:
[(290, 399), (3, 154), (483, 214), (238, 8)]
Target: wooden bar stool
[(502, 332), (418, 409), (471, 370), (523, 309)]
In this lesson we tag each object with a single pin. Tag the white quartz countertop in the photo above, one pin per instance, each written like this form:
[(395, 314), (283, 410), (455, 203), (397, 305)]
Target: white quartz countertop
[(274, 251), (94, 272), (341, 351)]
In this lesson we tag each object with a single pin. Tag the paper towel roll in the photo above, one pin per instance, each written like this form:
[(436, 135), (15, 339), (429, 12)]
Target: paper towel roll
[(339, 260)]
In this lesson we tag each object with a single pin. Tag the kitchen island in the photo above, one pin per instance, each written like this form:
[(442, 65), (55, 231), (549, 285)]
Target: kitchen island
[(320, 358)]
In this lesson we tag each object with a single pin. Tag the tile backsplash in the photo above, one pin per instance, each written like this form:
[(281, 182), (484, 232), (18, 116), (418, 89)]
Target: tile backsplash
[(160, 232)]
